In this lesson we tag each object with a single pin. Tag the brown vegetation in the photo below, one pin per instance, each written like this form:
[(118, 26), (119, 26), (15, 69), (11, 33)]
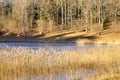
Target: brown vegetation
[(22, 63)]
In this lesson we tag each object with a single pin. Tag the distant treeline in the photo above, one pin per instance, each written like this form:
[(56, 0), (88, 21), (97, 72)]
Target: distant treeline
[(28, 17)]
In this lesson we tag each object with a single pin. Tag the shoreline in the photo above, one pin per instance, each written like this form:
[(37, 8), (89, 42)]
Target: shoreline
[(82, 42), (79, 38)]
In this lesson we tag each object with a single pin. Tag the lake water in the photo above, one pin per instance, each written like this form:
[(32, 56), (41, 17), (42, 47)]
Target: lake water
[(53, 45)]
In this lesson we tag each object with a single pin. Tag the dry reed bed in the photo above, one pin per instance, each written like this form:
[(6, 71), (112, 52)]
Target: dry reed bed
[(21, 62)]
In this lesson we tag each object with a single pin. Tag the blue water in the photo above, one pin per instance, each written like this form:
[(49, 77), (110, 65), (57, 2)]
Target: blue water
[(53, 45)]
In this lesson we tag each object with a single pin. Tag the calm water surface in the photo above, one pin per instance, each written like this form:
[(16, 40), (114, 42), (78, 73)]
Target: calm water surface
[(53, 45)]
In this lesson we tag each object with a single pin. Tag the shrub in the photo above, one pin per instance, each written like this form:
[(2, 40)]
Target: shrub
[(9, 26)]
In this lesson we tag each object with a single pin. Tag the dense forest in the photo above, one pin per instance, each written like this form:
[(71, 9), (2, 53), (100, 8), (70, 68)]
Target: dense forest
[(28, 17)]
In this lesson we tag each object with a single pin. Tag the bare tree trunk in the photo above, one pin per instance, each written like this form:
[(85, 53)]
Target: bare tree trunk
[(57, 16), (62, 9), (91, 20), (81, 13), (86, 26), (91, 15), (102, 19), (71, 19), (23, 20), (41, 25), (2, 10), (31, 26), (116, 14), (68, 18), (65, 13), (99, 17)]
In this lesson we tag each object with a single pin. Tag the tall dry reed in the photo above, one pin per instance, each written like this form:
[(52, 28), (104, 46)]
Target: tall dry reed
[(20, 62)]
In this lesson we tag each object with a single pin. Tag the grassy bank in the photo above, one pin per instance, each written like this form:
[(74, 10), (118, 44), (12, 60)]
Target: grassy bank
[(20, 63), (106, 37)]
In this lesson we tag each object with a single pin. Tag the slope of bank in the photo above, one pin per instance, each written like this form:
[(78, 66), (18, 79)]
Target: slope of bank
[(106, 37)]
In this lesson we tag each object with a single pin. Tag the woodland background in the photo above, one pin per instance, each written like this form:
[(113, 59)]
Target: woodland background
[(29, 17)]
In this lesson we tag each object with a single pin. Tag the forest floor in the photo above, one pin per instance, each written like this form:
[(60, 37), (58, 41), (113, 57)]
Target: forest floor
[(77, 37)]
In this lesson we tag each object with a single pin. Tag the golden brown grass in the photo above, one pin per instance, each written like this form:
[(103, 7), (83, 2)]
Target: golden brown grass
[(22, 63)]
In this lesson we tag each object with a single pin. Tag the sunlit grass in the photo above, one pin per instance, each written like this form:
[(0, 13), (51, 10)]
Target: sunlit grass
[(22, 63)]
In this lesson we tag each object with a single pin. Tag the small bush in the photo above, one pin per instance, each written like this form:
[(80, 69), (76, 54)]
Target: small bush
[(106, 23), (9, 26)]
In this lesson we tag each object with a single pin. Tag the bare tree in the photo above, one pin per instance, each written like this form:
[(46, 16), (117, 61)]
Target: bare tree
[(68, 14)]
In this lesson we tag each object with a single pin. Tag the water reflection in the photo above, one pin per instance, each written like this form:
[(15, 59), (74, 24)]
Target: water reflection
[(69, 46)]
